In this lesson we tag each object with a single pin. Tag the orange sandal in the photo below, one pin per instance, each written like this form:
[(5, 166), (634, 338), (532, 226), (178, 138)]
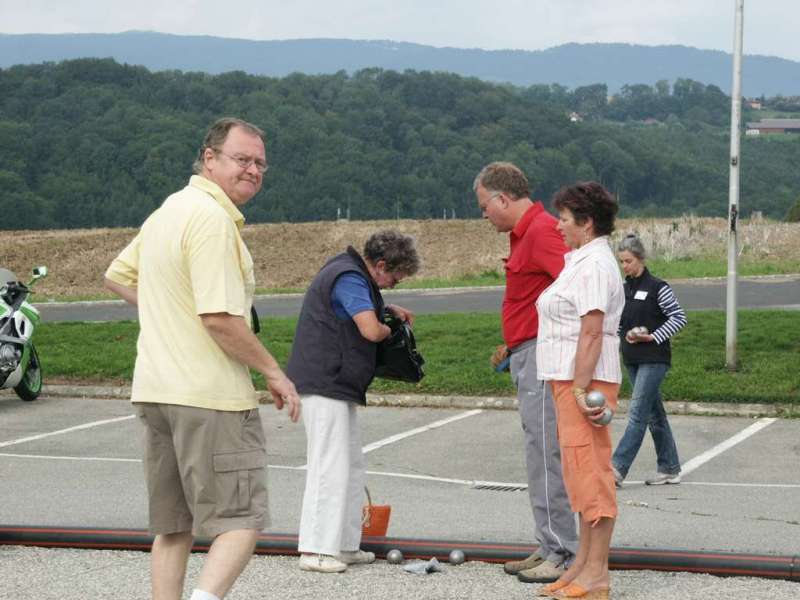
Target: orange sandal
[(573, 590), (550, 589)]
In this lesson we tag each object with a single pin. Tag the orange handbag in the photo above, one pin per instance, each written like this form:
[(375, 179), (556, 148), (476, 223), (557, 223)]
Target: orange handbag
[(375, 517)]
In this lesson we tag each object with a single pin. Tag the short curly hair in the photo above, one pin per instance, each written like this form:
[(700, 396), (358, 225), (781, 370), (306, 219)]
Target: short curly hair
[(503, 177), (397, 250), (588, 199)]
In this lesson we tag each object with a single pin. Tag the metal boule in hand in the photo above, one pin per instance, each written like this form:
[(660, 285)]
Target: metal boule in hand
[(606, 418), (595, 399)]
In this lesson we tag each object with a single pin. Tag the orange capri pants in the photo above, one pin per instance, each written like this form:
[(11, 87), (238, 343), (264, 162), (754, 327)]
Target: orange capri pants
[(586, 453)]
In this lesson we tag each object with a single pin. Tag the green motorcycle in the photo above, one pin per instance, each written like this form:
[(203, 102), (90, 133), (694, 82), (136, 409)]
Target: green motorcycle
[(19, 363)]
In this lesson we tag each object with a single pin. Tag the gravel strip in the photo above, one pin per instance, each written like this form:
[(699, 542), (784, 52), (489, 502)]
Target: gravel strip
[(28, 573)]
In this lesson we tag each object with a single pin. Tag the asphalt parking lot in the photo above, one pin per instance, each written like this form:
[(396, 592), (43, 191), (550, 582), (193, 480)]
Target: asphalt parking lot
[(75, 462)]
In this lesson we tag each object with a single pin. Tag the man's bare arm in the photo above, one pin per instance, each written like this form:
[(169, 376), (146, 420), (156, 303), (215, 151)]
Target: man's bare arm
[(235, 338)]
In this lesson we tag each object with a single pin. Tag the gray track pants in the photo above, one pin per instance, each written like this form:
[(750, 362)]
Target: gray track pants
[(554, 520)]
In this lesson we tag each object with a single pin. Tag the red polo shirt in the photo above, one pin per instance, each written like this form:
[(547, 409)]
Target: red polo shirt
[(535, 260)]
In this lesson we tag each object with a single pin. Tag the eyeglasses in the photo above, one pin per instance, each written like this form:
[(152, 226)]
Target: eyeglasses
[(393, 278), (485, 205), (245, 162)]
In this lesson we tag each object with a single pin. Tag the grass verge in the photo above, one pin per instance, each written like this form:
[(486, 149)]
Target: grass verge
[(457, 347), (693, 268), (714, 267)]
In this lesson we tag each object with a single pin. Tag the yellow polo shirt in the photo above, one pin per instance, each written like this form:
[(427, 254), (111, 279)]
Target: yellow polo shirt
[(187, 260)]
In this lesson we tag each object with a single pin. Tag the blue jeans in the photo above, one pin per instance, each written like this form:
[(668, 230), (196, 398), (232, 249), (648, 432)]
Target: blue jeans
[(647, 410)]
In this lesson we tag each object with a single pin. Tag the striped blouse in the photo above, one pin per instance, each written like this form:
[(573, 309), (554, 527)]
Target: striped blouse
[(676, 318), (590, 281)]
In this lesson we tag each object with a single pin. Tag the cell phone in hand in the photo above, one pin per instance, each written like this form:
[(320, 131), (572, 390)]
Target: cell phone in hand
[(503, 365)]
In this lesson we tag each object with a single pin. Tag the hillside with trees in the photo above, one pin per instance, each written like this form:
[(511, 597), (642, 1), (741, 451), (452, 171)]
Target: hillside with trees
[(93, 143)]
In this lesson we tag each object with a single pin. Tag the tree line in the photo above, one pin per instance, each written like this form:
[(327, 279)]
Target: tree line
[(95, 143)]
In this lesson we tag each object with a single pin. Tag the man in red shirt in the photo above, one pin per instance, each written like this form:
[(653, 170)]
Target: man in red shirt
[(536, 258)]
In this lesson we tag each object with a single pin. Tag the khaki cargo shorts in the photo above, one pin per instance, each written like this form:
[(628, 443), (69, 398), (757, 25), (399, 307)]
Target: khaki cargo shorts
[(205, 469)]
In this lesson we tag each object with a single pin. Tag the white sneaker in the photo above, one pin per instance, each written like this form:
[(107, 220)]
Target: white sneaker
[(321, 563), (618, 478), (356, 557), (662, 478)]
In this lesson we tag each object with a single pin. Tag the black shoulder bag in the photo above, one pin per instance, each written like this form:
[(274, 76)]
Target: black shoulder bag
[(397, 354)]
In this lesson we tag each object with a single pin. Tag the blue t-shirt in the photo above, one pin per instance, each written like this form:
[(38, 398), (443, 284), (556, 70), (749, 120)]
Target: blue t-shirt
[(350, 295)]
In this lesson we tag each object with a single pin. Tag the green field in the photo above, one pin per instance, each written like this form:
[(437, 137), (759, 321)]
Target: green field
[(457, 348)]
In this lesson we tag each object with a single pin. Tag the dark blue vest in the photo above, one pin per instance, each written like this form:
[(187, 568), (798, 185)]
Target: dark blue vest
[(645, 313), (330, 357)]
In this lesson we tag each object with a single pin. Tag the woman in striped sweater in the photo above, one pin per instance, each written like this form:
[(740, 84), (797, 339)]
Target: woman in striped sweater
[(649, 303)]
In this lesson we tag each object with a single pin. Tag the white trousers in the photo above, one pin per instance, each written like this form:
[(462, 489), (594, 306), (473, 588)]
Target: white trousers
[(331, 518)]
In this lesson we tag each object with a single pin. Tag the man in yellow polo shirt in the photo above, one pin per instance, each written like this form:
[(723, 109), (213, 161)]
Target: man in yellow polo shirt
[(191, 276)]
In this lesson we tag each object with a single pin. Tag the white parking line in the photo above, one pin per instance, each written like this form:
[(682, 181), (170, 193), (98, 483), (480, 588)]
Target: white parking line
[(67, 430), (737, 484), (385, 474), (524, 486), (400, 436), (79, 458), (469, 482), (687, 467), (701, 459), (369, 448)]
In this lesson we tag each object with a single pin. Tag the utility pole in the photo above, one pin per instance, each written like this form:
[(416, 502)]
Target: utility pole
[(733, 194)]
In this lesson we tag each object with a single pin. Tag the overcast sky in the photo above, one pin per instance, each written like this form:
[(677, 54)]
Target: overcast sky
[(770, 26)]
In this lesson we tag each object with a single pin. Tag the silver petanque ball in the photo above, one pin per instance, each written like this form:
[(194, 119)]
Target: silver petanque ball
[(606, 418), (595, 399), (394, 556), (456, 557)]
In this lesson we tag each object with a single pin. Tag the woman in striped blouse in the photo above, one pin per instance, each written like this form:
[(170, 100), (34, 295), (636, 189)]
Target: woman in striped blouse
[(649, 303), (577, 352)]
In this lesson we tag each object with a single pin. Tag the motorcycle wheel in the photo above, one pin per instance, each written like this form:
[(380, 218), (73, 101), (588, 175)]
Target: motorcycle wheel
[(30, 386)]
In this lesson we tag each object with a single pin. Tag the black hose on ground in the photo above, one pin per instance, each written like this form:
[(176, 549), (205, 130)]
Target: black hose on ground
[(712, 563)]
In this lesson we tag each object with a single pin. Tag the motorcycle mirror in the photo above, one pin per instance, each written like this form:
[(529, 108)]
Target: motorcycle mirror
[(39, 272)]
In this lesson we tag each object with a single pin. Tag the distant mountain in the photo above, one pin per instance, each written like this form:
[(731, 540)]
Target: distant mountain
[(571, 65)]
